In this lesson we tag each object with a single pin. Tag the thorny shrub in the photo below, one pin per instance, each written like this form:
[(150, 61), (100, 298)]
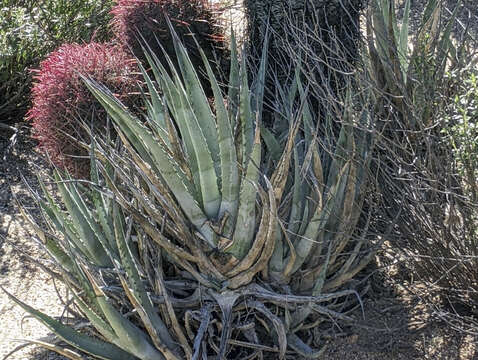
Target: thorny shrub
[(425, 161), (61, 101)]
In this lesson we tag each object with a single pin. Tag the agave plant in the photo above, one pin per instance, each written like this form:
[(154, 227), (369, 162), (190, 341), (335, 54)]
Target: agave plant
[(205, 234)]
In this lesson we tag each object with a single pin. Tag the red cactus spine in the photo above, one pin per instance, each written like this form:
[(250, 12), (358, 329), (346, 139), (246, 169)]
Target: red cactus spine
[(61, 100)]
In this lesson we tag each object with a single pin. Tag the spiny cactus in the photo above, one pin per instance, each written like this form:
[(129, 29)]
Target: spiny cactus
[(136, 22), (61, 101)]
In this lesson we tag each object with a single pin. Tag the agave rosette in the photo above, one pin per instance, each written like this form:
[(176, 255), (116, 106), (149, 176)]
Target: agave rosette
[(217, 236)]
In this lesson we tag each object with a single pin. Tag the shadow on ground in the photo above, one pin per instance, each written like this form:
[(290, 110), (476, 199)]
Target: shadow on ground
[(398, 324)]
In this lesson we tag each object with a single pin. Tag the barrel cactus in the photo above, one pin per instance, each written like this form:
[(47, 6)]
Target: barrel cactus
[(140, 23), (62, 103), (206, 234)]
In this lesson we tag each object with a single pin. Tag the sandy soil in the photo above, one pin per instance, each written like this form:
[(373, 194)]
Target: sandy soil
[(18, 274)]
